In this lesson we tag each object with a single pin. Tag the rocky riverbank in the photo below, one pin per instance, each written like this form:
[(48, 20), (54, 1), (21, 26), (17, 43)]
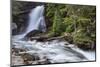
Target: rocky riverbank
[(54, 51)]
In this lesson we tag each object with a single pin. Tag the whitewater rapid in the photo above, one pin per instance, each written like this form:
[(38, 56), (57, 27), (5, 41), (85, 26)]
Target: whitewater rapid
[(56, 51)]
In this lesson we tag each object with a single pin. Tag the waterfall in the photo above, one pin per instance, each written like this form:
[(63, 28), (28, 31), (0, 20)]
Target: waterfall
[(36, 22), (55, 51)]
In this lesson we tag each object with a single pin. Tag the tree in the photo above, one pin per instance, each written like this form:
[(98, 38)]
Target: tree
[(57, 23)]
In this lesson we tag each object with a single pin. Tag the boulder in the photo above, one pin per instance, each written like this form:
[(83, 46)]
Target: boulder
[(33, 33), (28, 58)]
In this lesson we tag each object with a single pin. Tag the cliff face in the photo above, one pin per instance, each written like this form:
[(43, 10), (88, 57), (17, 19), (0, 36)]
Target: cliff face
[(20, 14)]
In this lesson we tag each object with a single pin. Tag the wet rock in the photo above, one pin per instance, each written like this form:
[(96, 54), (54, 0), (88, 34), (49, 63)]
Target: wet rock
[(14, 28), (86, 46), (28, 58), (33, 33), (16, 60), (44, 60), (68, 38), (17, 50)]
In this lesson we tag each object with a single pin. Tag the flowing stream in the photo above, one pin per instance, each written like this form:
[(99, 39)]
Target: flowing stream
[(55, 51)]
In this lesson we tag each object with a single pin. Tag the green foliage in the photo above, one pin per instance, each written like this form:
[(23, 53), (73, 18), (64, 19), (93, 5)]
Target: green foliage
[(70, 23), (57, 24), (78, 20), (82, 40)]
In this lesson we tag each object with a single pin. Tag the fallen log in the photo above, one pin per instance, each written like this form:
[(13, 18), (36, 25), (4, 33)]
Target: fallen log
[(55, 38), (45, 38), (38, 38)]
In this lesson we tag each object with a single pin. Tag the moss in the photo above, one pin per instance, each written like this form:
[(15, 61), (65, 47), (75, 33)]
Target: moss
[(82, 40)]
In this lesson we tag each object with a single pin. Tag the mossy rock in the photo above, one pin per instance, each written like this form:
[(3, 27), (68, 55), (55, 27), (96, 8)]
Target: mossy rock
[(28, 57), (68, 37), (83, 41)]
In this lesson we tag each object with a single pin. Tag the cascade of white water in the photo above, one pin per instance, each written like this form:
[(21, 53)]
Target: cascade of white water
[(36, 22)]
